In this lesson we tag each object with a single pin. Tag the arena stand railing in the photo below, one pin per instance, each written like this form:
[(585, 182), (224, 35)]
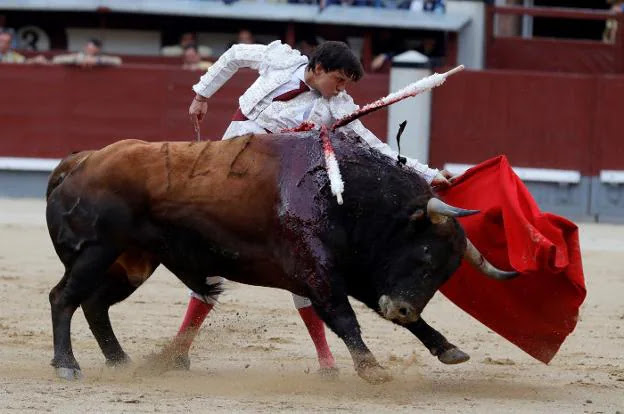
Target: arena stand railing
[(550, 54)]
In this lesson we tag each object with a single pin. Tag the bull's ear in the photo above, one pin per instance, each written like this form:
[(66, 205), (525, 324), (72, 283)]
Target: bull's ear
[(417, 215)]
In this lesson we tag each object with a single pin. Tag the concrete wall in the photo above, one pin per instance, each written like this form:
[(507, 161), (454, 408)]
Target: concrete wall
[(471, 39)]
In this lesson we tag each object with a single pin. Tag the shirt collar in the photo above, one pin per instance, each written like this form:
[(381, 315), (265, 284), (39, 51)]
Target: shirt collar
[(300, 72)]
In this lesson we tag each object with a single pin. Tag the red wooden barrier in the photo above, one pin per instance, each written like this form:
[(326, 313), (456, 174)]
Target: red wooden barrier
[(50, 111), (538, 120), (607, 138), (551, 55)]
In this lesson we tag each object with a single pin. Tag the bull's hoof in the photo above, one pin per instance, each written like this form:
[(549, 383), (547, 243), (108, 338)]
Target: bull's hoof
[(329, 373), (69, 374), (122, 361), (374, 374), (453, 356)]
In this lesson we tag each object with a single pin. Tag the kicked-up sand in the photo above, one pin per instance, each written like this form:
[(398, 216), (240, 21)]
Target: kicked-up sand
[(254, 355)]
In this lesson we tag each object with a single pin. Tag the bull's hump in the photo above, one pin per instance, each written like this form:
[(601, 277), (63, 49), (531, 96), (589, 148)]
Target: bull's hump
[(211, 170)]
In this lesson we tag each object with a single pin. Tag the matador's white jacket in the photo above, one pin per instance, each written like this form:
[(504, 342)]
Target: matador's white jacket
[(278, 66)]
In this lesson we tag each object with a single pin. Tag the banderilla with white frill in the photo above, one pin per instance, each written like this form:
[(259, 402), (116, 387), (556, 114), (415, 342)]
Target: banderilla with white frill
[(413, 89)]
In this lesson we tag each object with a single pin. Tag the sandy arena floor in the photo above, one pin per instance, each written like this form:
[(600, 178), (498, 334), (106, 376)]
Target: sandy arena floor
[(255, 355)]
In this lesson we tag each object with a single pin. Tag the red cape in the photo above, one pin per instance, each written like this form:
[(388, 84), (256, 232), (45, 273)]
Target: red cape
[(539, 308)]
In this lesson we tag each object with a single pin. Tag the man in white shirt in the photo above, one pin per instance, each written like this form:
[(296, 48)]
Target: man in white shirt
[(290, 89)]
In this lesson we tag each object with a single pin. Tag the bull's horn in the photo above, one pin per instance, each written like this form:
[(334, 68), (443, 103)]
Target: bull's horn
[(438, 210), (477, 260)]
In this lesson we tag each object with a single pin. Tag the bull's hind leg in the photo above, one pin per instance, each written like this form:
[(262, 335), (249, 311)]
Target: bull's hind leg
[(115, 288), (64, 360), (125, 275), (437, 344), (81, 278)]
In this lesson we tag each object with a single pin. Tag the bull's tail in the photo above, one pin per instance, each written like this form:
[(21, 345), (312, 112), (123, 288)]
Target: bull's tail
[(66, 165), (212, 290)]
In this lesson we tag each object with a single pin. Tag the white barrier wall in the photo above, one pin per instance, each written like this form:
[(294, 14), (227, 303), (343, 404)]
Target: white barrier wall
[(471, 41), (407, 68)]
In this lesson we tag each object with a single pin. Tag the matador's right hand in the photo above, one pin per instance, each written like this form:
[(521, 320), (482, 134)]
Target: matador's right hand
[(197, 110)]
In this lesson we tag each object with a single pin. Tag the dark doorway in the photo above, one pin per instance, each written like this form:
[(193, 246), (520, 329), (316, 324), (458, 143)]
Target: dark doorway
[(570, 28)]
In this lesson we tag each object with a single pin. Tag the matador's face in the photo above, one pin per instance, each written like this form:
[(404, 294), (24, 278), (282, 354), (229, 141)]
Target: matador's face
[(331, 83)]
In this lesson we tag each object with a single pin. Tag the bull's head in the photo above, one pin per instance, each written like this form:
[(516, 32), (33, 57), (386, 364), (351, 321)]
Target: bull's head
[(421, 267)]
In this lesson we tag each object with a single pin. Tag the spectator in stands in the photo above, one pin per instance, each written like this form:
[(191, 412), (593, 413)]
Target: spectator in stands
[(435, 6), (192, 59), (394, 4), (245, 37), (89, 57), (417, 5), (385, 45), (186, 39), (356, 3), (617, 6), (7, 55), (303, 2), (508, 25), (307, 44)]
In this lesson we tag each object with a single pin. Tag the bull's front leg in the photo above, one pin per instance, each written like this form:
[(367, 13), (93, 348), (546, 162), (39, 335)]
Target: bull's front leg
[(338, 314), (436, 343), (314, 267)]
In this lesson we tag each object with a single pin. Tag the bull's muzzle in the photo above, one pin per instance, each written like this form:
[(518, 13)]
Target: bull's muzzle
[(397, 310)]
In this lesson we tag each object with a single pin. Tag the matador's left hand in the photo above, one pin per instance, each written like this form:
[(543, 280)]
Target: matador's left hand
[(443, 179)]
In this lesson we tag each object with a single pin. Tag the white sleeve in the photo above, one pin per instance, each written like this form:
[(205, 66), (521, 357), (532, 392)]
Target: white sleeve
[(236, 57), (346, 106), (422, 169)]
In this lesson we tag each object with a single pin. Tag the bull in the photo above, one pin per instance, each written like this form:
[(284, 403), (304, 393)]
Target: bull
[(257, 210)]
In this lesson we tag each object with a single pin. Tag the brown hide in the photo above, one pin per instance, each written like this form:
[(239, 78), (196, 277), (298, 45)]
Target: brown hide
[(136, 265), (228, 191), (233, 181), (60, 172)]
